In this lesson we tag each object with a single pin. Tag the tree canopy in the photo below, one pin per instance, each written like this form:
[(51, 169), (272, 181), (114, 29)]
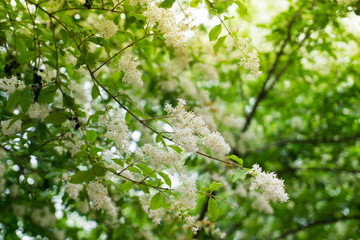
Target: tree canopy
[(201, 119)]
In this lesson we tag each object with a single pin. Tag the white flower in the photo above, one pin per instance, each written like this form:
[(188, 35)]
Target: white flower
[(167, 25), (75, 145), (271, 187), (117, 130), (106, 28), (14, 128), (10, 85), (73, 190), (37, 110), (216, 143), (97, 193), (131, 74), (187, 190), (159, 158), (252, 63)]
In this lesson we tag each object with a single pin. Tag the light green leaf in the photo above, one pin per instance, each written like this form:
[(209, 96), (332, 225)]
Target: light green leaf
[(91, 135), (213, 209), (218, 44), (195, 3), (166, 178), (237, 159), (239, 174), (213, 186), (127, 186), (156, 201), (215, 32)]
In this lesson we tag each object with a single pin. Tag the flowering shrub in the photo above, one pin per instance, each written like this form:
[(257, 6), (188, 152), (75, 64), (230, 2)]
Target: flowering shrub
[(129, 119)]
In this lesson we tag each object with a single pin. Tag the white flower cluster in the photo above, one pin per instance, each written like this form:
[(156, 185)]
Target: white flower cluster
[(44, 217), (37, 110), (2, 177), (74, 145), (159, 158), (166, 24), (117, 130), (98, 194), (187, 190), (73, 190), (128, 65), (271, 187), (110, 208), (154, 215), (189, 128), (217, 143), (14, 128), (260, 203), (106, 28), (252, 63), (10, 85)]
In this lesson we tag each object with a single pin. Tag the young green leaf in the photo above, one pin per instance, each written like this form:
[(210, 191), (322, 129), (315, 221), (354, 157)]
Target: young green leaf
[(213, 209), (166, 178), (213, 186), (127, 186), (156, 201), (218, 44), (215, 32), (91, 135), (195, 3), (239, 174), (235, 158)]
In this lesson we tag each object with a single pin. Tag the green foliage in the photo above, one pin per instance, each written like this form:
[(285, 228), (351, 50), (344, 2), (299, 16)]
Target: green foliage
[(79, 120)]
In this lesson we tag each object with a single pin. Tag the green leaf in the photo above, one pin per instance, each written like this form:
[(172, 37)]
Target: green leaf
[(134, 169), (215, 32), (235, 158), (239, 174), (176, 148), (213, 186), (156, 201), (13, 101), (218, 44), (82, 176), (159, 138), (47, 94), (127, 186), (242, 9), (145, 169), (91, 135), (213, 209), (228, 18), (195, 3), (128, 118), (94, 92), (167, 3), (138, 112), (56, 118), (145, 189), (26, 99), (166, 178)]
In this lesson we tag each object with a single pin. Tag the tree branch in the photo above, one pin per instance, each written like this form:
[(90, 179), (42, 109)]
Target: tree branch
[(317, 223)]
